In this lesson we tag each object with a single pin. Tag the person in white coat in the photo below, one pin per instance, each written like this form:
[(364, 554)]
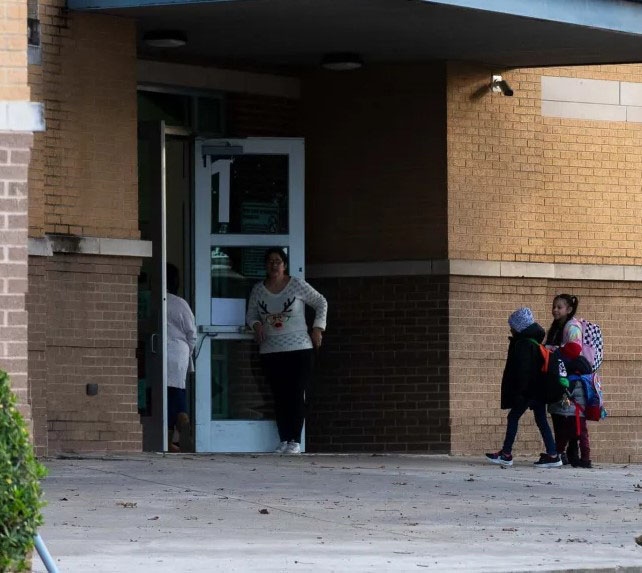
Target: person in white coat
[(181, 340)]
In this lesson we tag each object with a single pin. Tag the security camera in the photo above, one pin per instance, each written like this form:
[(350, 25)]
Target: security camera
[(500, 86)]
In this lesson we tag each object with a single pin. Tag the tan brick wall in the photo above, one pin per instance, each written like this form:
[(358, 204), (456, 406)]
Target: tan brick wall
[(479, 308), (83, 325), (84, 173), (13, 50), (375, 164), (522, 187), (14, 159)]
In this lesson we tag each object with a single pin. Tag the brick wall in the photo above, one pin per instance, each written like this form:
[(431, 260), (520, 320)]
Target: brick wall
[(479, 308), (248, 115), (519, 184), (13, 50), (375, 164), (84, 171), (36, 305), (381, 383), (14, 159), (83, 321)]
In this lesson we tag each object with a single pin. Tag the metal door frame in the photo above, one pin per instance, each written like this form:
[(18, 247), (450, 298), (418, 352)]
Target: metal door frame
[(206, 428)]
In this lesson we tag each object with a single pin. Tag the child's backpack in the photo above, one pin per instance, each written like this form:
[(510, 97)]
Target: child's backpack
[(552, 371), (592, 344), (592, 387)]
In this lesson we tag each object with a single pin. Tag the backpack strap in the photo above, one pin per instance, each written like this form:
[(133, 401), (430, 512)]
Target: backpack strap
[(545, 354)]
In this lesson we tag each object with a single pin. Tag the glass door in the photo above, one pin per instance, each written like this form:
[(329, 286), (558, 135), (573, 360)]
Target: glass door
[(152, 287), (249, 197)]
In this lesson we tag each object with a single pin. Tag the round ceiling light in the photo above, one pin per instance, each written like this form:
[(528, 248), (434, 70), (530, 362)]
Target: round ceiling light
[(341, 62), (165, 39)]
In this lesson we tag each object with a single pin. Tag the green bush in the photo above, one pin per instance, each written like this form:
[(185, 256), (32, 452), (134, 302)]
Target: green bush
[(20, 494)]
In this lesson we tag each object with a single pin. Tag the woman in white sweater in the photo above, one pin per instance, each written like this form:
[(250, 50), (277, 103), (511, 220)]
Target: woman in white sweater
[(276, 314)]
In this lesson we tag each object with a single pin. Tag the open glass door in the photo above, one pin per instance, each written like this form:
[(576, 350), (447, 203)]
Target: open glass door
[(249, 197), (152, 303)]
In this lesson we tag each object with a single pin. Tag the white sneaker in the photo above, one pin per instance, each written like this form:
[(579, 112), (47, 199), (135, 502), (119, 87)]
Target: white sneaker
[(292, 449), (281, 448)]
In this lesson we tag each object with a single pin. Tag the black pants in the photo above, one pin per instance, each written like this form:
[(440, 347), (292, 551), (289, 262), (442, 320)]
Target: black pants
[(288, 374)]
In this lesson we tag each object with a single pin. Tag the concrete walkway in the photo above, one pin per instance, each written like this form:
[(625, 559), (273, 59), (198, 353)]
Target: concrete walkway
[(192, 513)]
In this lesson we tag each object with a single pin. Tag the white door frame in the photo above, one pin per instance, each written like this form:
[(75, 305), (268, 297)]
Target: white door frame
[(238, 435)]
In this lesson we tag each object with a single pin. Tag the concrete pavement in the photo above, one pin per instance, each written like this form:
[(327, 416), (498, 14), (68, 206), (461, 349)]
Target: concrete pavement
[(188, 513)]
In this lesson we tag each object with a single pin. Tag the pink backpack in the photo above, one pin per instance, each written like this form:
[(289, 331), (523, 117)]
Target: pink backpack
[(592, 344)]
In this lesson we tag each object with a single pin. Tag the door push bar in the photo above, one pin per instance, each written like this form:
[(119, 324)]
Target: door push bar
[(204, 331)]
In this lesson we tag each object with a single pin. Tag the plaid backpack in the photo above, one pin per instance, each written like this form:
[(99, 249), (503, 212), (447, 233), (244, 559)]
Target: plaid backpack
[(592, 344), (593, 351)]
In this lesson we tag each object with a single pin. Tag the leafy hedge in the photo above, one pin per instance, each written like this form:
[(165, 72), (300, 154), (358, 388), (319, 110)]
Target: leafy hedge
[(20, 494)]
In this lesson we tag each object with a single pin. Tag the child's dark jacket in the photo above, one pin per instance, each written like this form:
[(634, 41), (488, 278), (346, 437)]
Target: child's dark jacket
[(522, 380)]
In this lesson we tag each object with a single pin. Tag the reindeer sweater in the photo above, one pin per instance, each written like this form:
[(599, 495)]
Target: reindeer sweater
[(283, 315)]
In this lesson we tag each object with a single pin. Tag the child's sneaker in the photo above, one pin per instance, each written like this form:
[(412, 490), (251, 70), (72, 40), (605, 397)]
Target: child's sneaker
[(564, 459), (500, 458), (548, 461)]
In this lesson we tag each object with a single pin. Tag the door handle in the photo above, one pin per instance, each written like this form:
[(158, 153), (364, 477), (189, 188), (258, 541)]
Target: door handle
[(152, 342)]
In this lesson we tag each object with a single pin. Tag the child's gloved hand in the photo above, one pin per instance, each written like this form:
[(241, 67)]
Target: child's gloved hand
[(564, 382)]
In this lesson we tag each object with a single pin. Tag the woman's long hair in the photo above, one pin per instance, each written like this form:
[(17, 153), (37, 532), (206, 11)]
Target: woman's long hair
[(554, 336)]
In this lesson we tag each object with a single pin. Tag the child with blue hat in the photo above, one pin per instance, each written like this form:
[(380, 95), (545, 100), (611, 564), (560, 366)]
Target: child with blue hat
[(523, 388)]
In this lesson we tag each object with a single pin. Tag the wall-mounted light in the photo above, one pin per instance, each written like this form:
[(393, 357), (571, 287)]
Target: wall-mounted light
[(164, 39), (499, 85), (341, 62)]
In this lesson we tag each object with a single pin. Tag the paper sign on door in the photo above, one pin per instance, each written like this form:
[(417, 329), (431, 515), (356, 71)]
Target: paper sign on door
[(228, 311)]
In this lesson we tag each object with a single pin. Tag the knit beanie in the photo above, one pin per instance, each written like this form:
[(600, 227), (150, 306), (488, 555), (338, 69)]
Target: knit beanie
[(521, 319)]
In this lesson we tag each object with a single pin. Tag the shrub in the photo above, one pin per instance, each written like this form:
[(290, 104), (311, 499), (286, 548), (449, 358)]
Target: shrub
[(20, 494)]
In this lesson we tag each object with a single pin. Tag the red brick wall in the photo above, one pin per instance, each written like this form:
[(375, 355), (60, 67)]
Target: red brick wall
[(375, 164), (36, 305), (249, 115), (83, 320), (381, 383)]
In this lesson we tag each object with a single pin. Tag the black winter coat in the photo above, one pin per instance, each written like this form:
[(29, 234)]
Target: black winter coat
[(522, 380)]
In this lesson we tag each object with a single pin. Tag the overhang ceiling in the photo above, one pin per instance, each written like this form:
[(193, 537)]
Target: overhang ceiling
[(282, 34)]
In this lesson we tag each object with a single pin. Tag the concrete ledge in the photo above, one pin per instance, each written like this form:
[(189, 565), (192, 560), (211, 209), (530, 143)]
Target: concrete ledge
[(39, 247), (601, 100), (461, 267), (590, 111), (634, 114), (50, 244), (22, 116), (581, 90), (631, 93)]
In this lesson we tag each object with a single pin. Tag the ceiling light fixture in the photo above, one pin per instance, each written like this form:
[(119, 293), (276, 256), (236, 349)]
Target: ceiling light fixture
[(164, 39), (341, 62)]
